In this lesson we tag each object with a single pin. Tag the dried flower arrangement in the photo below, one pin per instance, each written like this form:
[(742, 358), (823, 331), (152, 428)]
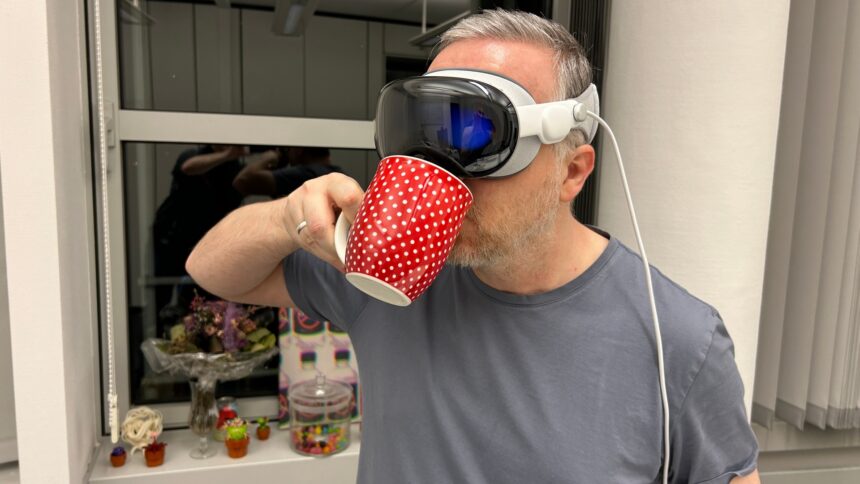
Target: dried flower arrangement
[(218, 327)]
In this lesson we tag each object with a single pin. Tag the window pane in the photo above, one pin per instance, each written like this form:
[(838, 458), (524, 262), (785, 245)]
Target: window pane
[(194, 56), (173, 194)]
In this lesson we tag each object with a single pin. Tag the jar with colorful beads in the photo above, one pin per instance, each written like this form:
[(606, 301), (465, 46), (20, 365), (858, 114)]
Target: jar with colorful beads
[(320, 414)]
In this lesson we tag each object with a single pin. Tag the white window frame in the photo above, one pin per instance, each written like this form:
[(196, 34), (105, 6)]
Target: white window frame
[(178, 127)]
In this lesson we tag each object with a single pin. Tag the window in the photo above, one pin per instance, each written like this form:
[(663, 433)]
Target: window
[(173, 194), (196, 57), (190, 78)]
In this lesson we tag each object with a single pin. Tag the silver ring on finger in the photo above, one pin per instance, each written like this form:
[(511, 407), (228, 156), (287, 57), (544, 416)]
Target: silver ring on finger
[(301, 226)]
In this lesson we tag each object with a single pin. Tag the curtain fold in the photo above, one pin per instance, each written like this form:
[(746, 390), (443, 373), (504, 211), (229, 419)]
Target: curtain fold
[(808, 368)]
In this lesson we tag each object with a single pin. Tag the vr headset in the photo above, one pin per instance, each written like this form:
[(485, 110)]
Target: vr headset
[(473, 123)]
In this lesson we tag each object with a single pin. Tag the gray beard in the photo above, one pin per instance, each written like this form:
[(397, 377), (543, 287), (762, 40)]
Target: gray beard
[(522, 228), (503, 249)]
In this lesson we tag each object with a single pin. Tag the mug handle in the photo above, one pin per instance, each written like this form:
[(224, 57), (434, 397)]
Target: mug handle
[(341, 236)]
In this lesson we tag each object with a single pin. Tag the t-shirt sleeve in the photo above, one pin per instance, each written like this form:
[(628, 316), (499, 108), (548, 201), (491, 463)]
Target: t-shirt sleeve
[(321, 291), (712, 441)]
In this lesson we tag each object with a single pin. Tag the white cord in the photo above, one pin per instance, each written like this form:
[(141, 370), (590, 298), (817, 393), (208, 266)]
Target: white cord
[(658, 336), (111, 396)]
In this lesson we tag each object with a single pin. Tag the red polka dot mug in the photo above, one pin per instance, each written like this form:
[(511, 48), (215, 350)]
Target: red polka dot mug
[(404, 229)]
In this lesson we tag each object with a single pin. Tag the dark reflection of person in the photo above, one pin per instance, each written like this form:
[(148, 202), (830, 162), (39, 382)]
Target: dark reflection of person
[(278, 178), (201, 194)]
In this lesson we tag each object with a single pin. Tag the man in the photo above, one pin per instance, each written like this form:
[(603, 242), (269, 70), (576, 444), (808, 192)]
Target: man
[(531, 357), (201, 194), (285, 171)]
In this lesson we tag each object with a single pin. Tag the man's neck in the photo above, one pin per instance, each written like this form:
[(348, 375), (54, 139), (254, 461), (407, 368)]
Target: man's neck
[(558, 258)]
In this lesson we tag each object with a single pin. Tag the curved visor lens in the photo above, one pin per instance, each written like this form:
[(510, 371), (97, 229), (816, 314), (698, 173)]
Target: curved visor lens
[(464, 126)]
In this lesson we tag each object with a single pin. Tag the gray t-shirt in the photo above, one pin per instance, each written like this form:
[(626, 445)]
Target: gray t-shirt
[(469, 384)]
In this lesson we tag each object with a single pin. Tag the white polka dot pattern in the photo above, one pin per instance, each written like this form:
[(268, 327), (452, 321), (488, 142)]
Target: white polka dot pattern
[(407, 224)]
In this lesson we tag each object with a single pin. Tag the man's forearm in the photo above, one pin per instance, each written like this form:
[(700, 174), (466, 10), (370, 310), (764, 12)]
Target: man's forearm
[(238, 253), (199, 164), (256, 178)]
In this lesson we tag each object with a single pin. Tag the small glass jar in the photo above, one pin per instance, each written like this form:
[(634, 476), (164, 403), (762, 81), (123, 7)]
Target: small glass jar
[(320, 414), (228, 409)]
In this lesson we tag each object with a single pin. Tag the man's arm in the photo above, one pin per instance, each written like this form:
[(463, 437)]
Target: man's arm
[(712, 438), (748, 479), (199, 164), (257, 178), (240, 258)]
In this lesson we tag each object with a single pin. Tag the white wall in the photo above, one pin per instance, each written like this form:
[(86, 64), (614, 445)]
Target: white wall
[(693, 95), (46, 188)]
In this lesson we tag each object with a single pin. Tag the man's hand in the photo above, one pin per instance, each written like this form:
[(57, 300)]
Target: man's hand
[(235, 151), (318, 203), (749, 479), (256, 178)]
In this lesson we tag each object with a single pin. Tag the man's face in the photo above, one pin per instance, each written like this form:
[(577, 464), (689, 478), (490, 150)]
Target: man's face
[(508, 214)]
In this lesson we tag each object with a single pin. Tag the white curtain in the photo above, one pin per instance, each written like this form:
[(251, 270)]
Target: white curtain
[(808, 368)]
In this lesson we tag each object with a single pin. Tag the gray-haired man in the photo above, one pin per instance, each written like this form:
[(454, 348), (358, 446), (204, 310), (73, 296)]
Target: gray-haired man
[(531, 357)]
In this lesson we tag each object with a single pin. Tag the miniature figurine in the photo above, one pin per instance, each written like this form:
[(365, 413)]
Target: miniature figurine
[(117, 456), (154, 453), (237, 438)]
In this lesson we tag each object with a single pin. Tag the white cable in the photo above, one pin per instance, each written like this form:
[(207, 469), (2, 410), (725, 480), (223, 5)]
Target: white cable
[(657, 334), (111, 396)]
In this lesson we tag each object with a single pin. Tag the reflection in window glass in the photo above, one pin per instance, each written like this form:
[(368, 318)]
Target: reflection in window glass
[(193, 56), (173, 194)]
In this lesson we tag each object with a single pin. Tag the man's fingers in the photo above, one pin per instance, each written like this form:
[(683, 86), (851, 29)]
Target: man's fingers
[(320, 229), (313, 206), (346, 195)]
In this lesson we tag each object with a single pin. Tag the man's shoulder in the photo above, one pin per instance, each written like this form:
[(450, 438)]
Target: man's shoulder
[(688, 324), (684, 313)]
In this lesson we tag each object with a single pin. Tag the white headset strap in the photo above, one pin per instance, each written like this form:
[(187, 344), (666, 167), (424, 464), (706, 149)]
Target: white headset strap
[(551, 122), (515, 92)]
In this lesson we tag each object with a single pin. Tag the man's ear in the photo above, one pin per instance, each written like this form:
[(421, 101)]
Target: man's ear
[(579, 164)]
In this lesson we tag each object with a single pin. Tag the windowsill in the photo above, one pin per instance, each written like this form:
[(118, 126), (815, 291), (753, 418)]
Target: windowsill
[(265, 460)]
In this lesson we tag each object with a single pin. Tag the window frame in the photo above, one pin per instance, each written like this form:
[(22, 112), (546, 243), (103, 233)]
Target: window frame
[(126, 125)]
